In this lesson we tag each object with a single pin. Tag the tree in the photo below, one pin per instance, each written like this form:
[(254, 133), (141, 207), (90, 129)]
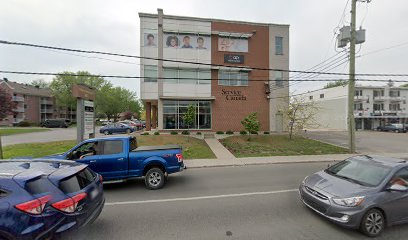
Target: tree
[(41, 83), (336, 84), (6, 107), (300, 114), (251, 124), (404, 85), (61, 87), (190, 115), (114, 100)]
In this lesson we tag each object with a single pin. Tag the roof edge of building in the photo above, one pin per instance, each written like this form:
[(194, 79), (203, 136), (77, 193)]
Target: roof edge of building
[(175, 17)]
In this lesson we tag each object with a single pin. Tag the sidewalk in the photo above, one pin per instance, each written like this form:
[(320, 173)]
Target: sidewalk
[(200, 163)]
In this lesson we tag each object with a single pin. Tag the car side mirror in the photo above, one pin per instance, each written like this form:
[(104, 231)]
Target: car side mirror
[(398, 188)]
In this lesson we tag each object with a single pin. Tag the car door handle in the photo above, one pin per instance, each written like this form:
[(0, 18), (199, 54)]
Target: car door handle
[(121, 159), (92, 161)]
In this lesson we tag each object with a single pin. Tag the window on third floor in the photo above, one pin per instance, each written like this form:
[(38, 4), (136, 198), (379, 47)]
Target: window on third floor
[(150, 73), (232, 78), (278, 45)]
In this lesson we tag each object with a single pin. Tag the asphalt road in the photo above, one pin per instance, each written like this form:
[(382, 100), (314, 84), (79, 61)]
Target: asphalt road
[(249, 202), (366, 141)]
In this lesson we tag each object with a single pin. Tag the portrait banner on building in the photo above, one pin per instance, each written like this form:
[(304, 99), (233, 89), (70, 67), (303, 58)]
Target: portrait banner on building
[(186, 41), (150, 39), (226, 44)]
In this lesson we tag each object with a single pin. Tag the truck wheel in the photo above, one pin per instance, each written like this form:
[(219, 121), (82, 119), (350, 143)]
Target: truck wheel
[(154, 179), (373, 223)]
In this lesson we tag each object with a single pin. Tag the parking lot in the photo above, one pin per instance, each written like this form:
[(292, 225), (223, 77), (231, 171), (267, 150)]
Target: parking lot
[(251, 202), (366, 141)]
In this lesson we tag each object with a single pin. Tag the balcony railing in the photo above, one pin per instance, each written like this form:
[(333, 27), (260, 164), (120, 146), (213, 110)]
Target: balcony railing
[(17, 99), (19, 109)]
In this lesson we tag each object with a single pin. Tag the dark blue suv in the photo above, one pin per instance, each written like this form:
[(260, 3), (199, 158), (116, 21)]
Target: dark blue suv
[(43, 198)]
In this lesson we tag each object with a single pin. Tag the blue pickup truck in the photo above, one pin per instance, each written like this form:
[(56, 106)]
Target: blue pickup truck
[(120, 158)]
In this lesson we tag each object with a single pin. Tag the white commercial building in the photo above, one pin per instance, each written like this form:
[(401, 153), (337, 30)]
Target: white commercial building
[(373, 106)]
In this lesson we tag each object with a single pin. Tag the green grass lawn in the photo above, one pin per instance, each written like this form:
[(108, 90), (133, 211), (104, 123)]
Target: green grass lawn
[(277, 145), (37, 149), (192, 148), (13, 130)]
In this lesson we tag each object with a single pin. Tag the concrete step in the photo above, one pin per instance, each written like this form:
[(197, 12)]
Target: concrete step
[(209, 135)]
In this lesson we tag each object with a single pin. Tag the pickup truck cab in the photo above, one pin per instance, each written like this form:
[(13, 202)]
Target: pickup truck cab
[(120, 158)]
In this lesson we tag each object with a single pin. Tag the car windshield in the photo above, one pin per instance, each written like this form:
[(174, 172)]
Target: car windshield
[(363, 172)]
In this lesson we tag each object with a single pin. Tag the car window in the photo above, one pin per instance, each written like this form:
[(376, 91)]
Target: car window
[(77, 182), (86, 149), (38, 186), (112, 147), (400, 178)]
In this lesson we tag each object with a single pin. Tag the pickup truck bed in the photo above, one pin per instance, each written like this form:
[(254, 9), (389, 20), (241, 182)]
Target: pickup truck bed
[(153, 148)]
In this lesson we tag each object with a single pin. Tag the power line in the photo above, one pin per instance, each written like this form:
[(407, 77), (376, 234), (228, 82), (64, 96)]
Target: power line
[(194, 63), (170, 78)]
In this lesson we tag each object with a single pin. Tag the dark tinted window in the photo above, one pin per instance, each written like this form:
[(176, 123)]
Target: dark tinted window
[(133, 144), (3, 193), (112, 147), (78, 181), (38, 186)]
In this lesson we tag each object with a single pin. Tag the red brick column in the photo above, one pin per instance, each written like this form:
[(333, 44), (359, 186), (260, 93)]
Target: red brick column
[(154, 116), (148, 108)]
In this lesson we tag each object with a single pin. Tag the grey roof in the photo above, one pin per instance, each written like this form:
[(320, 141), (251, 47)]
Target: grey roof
[(27, 89)]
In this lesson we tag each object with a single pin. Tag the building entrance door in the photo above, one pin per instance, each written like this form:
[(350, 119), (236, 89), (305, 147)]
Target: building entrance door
[(279, 122)]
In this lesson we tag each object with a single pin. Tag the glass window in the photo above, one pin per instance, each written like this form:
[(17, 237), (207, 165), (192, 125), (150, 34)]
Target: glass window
[(322, 95), (364, 172), (170, 75), (150, 73), (310, 97), (174, 112), (203, 74), (228, 78), (112, 147), (279, 79), (279, 45), (400, 178), (187, 76)]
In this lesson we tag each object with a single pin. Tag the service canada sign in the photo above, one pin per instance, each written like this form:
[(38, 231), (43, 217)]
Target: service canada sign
[(233, 58), (233, 95)]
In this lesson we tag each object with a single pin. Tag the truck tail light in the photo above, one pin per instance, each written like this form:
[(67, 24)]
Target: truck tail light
[(179, 157), (69, 205), (35, 207)]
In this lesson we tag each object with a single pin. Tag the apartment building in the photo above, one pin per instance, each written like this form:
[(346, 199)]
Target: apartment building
[(34, 104), (222, 78), (373, 106)]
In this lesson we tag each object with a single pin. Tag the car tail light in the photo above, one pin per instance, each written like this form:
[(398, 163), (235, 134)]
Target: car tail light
[(35, 206), (69, 205), (179, 157)]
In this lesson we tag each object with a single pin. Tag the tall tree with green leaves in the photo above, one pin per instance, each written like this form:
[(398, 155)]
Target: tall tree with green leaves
[(190, 115), (404, 85), (251, 124)]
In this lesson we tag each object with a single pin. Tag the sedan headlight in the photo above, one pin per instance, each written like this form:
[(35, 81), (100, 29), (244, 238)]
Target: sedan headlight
[(349, 202), (304, 181)]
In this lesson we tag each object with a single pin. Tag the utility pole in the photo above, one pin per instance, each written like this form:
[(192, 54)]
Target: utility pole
[(1, 149), (352, 80)]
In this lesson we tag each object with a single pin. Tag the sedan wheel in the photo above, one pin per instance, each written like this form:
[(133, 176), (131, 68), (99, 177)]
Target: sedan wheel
[(373, 223), (128, 131), (106, 132)]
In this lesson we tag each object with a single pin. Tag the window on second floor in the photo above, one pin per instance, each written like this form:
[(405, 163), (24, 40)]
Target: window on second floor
[(279, 79), (322, 95), (278, 45), (378, 93), (310, 97), (230, 78), (394, 93), (186, 76), (358, 106), (150, 74), (378, 106), (359, 93), (395, 107)]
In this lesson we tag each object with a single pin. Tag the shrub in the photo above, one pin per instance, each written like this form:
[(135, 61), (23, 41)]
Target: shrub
[(229, 132), (23, 124), (243, 132), (145, 133), (220, 132), (254, 132), (156, 133), (173, 133), (266, 132), (198, 133), (185, 132)]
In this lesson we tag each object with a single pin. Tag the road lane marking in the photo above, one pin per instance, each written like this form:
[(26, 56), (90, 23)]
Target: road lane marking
[(200, 197)]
